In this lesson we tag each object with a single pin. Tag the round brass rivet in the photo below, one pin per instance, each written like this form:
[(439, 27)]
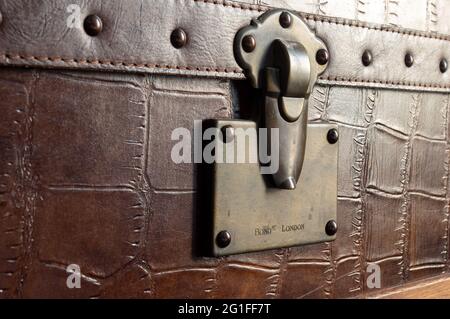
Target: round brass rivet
[(93, 25), (331, 228), (178, 38), (248, 43), (332, 136), (443, 65), (223, 239), (227, 133), (322, 56), (409, 60), (366, 58), (285, 19)]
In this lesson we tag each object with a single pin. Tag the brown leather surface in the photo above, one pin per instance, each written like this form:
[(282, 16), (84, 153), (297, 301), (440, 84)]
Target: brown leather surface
[(86, 178), (423, 15), (431, 288), (136, 37)]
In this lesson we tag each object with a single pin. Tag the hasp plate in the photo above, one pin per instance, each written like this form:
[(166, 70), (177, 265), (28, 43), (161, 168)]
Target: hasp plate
[(257, 216)]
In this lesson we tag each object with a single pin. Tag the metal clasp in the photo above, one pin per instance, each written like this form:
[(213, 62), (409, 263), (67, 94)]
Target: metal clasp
[(282, 59), (278, 53)]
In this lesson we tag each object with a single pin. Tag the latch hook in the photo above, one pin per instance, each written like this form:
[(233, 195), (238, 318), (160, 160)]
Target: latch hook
[(281, 61), (286, 108)]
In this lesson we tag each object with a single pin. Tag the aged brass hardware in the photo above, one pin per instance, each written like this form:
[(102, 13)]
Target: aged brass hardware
[(223, 239), (409, 60), (331, 228), (285, 19), (250, 214), (178, 38), (295, 204), (322, 56), (443, 65), (93, 25), (367, 58), (332, 136), (248, 43), (282, 62)]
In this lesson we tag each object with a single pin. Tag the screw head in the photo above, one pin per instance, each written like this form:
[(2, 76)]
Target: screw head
[(332, 136), (409, 60), (227, 133), (367, 58), (223, 239), (443, 65), (93, 25), (248, 43), (178, 38), (322, 56), (331, 228), (285, 19)]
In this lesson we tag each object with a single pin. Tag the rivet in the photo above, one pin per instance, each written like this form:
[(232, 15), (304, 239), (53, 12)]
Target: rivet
[(248, 43), (227, 133), (331, 228), (322, 56), (178, 38), (285, 19), (443, 65), (223, 239), (409, 60), (332, 136), (93, 25), (367, 58)]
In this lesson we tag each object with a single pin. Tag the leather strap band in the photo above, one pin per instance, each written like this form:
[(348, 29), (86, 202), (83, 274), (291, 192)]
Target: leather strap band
[(136, 37)]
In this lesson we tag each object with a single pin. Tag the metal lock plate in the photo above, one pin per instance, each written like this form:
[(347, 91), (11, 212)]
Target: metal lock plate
[(258, 216), (296, 203)]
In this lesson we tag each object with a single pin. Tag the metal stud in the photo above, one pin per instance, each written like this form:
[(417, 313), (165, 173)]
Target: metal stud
[(332, 136), (331, 228), (93, 25), (227, 133), (249, 43), (443, 65), (178, 38), (367, 58), (223, 239), (322, 56), (285, 19), (409, 60)]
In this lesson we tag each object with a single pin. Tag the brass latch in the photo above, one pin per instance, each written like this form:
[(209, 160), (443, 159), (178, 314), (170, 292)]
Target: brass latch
[(278, 53), (282, 58)]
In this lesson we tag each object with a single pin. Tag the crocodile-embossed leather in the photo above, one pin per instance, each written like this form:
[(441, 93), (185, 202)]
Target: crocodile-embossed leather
[(422, 15), (86, 178)]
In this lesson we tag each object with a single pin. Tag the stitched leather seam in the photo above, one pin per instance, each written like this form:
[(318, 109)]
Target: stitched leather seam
[(207, 69), (385, 82), (116, 63), (242, 6), (236, 5), (332, 20)]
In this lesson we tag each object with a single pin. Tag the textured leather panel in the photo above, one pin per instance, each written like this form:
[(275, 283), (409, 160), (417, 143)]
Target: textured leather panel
[(86, 178), (85, 169), (134, 40), (424, 15)]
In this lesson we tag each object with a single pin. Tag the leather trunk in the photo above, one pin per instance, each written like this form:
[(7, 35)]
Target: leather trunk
[(86, 176)]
